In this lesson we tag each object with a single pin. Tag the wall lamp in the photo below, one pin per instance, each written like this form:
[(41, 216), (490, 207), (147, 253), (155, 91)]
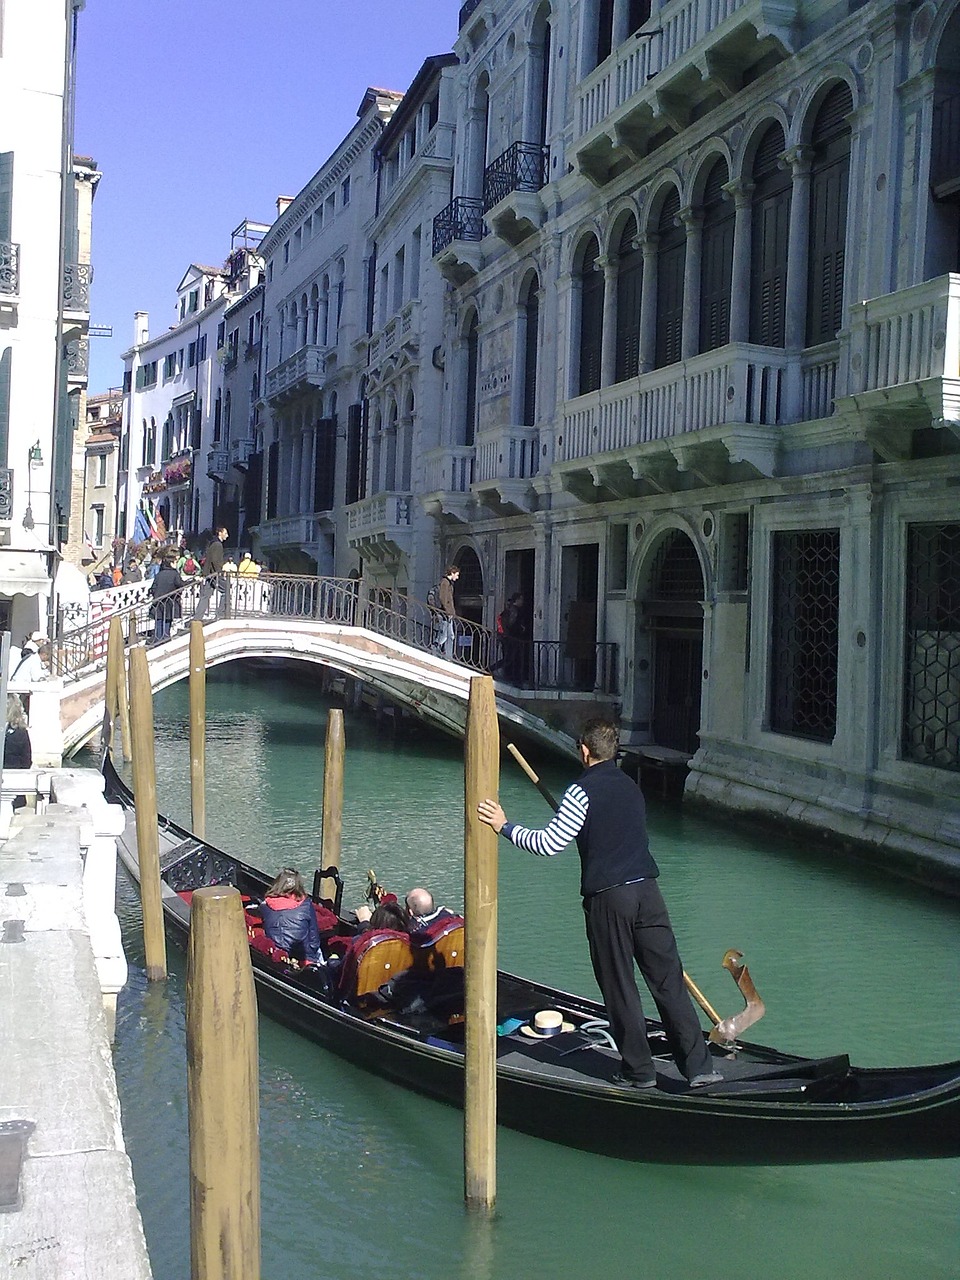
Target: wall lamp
[(35, 455)]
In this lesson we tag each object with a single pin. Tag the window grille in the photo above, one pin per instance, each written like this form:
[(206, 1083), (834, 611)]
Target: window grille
[(804, 633), (931, 715), (676, 571)]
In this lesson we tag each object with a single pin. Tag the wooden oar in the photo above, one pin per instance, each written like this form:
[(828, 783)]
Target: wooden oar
[(691, 986)]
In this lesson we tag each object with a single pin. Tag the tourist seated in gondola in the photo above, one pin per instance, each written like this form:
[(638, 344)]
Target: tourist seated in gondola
[(388, 914), (423, 913), (289, 919)]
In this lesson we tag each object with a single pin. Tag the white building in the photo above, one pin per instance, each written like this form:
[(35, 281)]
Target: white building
[(98, 501), (313, 353), (44, 301), (173, 405)]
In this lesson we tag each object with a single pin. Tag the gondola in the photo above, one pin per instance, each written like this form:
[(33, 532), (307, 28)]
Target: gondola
[(771, 1107)]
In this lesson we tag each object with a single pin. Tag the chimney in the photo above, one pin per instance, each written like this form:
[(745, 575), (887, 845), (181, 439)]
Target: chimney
[(283, 203), (141, 327)]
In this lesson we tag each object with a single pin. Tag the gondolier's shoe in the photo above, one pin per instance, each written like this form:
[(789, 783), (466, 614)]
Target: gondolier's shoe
[(630, 1082), (707, 1077)]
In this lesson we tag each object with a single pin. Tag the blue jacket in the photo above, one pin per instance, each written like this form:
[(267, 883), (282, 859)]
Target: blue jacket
[(291, 925)]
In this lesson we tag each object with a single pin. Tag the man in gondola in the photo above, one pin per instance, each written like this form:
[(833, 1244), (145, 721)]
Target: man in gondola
[(625, 914)]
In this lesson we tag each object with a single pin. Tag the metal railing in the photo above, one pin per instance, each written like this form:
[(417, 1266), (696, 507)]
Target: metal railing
[(522, 167), (9, 269), (535, 665), (462, 219), (77, 279)]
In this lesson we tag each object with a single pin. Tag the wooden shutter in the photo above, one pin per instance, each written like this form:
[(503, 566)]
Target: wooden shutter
[(6, 195), (769, 242), (354, 481), (629, 286), (324, 464), (829, 185), (273, 478), (716, 263), (531, 346), (6, 361), (252, 490), (671, 258), (591, 320)]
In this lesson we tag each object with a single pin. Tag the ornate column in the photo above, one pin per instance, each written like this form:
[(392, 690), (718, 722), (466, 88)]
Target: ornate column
[(621, 22), (692, 220), (587, 51), (533, 72), (608, 341), (648, 303), (741, 193)]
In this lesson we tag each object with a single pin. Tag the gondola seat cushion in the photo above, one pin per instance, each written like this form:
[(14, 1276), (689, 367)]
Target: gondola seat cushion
[(440, 945), (266, 946), (371, 959)]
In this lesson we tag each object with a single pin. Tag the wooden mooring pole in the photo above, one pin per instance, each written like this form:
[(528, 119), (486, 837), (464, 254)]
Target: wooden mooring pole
[(115, 693), (145, 796), (198, 730), (222, 1091), (481, 780), (333, 788)]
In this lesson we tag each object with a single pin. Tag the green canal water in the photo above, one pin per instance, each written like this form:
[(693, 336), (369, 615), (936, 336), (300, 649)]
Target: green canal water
[(361, 1176)]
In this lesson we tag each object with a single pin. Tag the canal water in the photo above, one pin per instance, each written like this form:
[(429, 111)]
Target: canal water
[(364, 1177)]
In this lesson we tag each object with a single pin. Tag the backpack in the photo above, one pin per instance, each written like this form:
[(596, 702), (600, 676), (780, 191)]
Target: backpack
[(190, 565), (501, 630), (433, 597)]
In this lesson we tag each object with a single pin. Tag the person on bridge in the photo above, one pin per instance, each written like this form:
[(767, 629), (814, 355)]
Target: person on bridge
[(626, 917), (165, 590), (448, 611), (212, 565)]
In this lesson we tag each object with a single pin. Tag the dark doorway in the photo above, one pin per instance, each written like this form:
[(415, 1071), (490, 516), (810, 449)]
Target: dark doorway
[(579, 576), (469, 589), (674, 611)]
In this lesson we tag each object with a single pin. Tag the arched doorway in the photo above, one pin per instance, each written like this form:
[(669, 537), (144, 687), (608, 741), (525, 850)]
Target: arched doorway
[(673, 612)]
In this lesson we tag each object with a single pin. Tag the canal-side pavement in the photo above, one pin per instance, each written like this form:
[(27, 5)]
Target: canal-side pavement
[(77, 1214)]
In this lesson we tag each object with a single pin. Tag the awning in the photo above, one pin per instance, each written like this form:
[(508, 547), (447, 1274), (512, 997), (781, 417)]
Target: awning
[(23, 573)]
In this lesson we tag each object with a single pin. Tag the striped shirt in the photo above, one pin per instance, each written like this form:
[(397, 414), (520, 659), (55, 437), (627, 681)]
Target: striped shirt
[(565, 826)]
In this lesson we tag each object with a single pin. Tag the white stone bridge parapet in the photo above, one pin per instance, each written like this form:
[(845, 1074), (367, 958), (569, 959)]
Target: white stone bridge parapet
[(434, 688)]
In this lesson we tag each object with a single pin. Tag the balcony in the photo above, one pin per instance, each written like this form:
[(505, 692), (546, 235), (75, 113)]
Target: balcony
[(9, 271), (289, 531), (507, 460), (707, 420), (230, 358), (447, 480), (689, 52), (378, 528), (457, 232), (240, 453), (297, 374), (6, 494), (77, 278), (403, 330), (511, 186), (945, 148), (218, 463), (251, 350), (77, 358), (900, 365)]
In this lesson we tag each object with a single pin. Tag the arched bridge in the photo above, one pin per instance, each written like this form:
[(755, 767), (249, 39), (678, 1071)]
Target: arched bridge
[(315, 620)]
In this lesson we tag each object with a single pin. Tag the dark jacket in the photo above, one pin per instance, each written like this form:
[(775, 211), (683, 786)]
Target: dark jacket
[(17, 752), (213, 556), (292, 925), (167, 580)]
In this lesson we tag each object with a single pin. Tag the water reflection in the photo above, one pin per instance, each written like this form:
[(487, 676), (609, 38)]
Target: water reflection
[(361, 1171)]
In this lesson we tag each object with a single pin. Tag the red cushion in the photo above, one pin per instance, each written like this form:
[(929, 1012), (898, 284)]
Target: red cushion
[(326, 919), (260, 942)]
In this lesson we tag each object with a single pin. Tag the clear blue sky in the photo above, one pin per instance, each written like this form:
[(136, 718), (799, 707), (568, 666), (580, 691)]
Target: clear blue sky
[(200, 113)]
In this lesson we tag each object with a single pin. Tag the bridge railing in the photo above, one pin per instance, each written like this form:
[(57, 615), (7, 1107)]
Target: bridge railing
[(535, 665)]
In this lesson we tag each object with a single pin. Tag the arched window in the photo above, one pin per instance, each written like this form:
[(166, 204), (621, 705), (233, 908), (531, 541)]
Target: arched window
[(829, 185), (591, 318), (530, 337), (472, 369), (716, 261), (629, 283), (769, 241), (671, 259)]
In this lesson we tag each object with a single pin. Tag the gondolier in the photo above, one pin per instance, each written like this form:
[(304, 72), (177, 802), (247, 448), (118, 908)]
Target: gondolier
[(626, 917)]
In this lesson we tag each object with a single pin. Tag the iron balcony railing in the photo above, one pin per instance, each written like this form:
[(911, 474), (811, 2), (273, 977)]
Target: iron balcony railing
[(462, 219), (9, 269), (6, 493), (533, 665), (77, 278), (522, 167), (77, 355)]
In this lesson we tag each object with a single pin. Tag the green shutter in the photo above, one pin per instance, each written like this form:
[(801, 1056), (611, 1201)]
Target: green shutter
[(6, 360)]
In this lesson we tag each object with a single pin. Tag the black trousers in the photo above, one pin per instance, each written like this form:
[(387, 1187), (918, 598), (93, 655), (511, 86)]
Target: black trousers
[(630, 923)]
